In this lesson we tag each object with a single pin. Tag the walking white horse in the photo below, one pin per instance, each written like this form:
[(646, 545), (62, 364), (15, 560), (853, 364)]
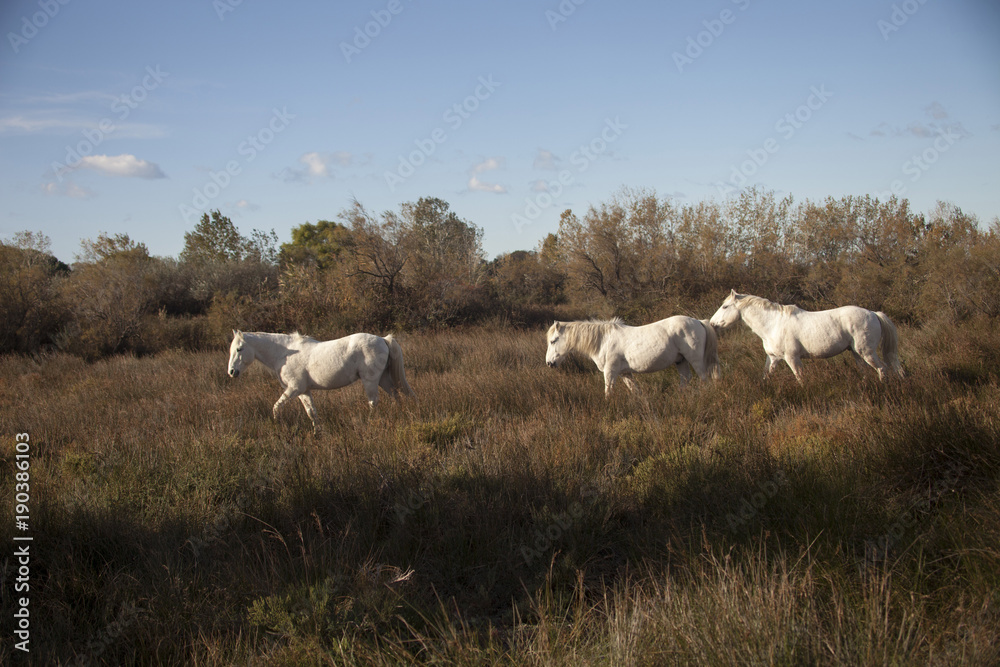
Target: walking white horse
[(303, 364), (790, 333), (620, 350)]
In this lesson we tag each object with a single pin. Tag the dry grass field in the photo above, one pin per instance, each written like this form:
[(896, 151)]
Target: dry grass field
[(511, 514)]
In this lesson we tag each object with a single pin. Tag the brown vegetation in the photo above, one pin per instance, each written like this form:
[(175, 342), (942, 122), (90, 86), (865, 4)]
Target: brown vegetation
[(511, 513), (636, 256)]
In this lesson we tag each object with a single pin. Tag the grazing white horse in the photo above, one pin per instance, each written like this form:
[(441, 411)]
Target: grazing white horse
[(790, 333), (303, 364), (620, 350)]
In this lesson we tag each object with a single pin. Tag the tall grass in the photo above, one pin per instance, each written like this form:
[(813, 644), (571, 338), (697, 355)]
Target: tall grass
[(512, 514)]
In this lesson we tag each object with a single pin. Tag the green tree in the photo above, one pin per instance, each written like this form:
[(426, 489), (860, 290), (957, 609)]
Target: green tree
[(117, 248), (321, 245), (224, 261), (214, 239)]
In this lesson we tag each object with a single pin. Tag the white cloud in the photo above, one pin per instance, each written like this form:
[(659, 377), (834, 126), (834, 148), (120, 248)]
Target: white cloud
[(244, 205), (541, 185), (546, 160), (66, 189), (936, 111), (940, 123), (317, 165), (36, 123), (477, 185), (489, 164), (125, 165), (65, 124)]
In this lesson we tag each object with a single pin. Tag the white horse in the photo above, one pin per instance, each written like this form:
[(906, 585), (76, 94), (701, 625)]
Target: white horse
[(620, 350), (790, 333), (303, 364)]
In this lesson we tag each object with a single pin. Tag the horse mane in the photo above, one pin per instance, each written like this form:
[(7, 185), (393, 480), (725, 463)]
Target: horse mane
[(587, 336), (764, 304), (294, 337)]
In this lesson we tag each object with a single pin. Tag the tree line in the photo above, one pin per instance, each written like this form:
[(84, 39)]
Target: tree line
[(636, 255)]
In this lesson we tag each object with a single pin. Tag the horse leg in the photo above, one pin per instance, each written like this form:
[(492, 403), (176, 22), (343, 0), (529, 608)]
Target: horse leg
[(769, 363), (684, 368), (609, 380), (632, 385), (386, 383), (858, 360), (872, 360), (371, 390), (289, 393), (796, 365), (307, 403)]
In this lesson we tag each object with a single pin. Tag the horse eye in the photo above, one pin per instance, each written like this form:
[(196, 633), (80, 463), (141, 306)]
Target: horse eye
[(239, 349)]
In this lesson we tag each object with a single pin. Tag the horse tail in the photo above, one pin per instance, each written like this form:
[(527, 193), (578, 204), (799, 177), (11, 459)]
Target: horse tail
[(888, 347), (395, 366), (711, 350)]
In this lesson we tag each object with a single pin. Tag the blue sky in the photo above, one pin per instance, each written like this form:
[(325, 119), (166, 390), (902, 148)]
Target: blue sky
[(137, 117)]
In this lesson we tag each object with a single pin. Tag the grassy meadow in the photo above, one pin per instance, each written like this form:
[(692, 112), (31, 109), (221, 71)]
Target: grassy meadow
[(511, 514)]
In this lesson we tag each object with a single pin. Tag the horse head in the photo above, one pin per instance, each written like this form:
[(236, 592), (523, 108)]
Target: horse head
[(556, 351), (728, 313), (240, 354)]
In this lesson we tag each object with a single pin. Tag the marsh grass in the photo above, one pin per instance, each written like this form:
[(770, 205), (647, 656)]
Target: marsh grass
[(511, 514)]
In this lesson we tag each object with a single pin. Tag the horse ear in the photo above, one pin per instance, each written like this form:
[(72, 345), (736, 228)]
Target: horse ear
[(732, 293)]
